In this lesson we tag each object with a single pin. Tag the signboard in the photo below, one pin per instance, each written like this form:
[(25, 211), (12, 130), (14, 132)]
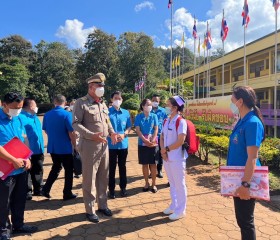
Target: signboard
[(215, 111)]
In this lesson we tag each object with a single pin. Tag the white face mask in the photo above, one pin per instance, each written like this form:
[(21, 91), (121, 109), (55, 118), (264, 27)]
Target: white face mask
[(99, 91), (117, 103), (14, 112), (148, 108), (35, 110), (168, 110), (71, 107), (234, 108), (155, 104)]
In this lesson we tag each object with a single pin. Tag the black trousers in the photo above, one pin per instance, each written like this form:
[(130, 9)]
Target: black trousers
[(117, 156), (159, 157), (244, 212), (59, 160), (12, 198), (35, 174)]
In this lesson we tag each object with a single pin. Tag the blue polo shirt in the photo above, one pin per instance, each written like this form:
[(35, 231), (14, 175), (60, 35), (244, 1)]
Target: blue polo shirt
[(120, 121), (146, 124), (58, 123), (248, 131), (10, 128), (161, 114), (33, 129)]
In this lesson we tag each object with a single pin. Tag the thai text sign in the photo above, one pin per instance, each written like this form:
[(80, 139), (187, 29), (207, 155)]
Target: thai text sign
[(214, 110)]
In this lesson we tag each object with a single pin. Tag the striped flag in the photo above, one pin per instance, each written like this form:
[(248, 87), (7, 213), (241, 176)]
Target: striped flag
[(169, 3), (276, 4), (194, 33), (224, 30), (245, 14)]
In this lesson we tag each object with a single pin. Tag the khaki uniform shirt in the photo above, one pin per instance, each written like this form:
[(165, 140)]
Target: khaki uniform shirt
[(90, 117)]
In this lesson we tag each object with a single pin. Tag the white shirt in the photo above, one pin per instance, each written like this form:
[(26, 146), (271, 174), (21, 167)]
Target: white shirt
[(171, 136)]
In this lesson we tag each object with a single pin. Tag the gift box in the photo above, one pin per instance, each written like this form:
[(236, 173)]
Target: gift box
[(231, 180)]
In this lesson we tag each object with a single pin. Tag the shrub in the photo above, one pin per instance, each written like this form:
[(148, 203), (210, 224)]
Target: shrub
[(131, 104)]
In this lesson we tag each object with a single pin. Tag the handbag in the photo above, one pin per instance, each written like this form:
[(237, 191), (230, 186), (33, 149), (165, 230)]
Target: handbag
[(77, 163)]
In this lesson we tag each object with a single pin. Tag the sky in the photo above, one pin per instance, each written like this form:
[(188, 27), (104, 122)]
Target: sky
[(70, 21)]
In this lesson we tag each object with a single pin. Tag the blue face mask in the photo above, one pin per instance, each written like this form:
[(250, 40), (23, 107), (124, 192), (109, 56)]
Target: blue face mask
[(168, 110)]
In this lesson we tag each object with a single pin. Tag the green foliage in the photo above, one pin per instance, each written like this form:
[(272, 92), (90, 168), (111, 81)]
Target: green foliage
[(132, 104), (164, 95), (127, 96), (14, 77)]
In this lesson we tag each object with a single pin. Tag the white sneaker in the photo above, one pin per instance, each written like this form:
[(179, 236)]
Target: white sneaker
[(168, 211), (175, 216)]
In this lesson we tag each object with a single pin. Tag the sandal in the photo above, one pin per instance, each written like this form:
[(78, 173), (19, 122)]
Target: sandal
[(145, 189)]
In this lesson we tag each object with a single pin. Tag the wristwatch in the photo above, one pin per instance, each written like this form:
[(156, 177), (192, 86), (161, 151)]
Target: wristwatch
[(167, 149), (245, 184)]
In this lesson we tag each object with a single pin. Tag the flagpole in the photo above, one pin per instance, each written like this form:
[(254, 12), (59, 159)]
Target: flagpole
[(204, 77), (275, 72), (223, 66), (198, 68), (194, 63), (183, 63), (171, 41), (245, 75), (176, 82)]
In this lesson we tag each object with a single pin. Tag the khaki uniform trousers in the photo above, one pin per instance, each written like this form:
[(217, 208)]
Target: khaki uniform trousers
[(95, 167)]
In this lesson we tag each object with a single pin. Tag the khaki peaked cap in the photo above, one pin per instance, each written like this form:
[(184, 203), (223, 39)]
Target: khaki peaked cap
[(97, 78)]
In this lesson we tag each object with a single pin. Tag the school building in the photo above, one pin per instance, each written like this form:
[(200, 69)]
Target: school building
[(260, 65)]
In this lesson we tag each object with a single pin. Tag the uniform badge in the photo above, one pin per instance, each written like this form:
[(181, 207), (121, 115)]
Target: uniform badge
[(235, 139)]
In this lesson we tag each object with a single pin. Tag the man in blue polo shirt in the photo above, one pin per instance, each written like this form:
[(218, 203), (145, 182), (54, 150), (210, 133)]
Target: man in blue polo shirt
[(57, 123), (13, 188), (33, 129), (120, 120), (160, 112)]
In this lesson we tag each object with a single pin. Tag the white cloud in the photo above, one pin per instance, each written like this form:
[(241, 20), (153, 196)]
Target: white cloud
[(262, 22), (143, 5), (74, 33)]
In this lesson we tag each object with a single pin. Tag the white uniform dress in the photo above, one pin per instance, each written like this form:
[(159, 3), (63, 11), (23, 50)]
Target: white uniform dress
[(175, 167)]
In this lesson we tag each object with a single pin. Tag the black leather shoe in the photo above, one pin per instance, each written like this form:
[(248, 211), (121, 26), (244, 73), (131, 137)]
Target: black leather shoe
[(92, 218), (25, 229), (68, 197), (106, 212), (111, 195), (37, 193), (29, 196), (5, 236), (123, 192), (45, 194), (159, 175)]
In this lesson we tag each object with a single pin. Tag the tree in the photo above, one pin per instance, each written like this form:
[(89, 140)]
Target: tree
[(14, 77), (53, 71), (100, 56), (137, 55), (15, 47)]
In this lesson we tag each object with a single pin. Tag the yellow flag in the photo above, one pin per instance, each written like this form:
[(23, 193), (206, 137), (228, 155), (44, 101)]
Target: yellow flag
[(179, 61), (176, 62), (173, 64), (182, 41)]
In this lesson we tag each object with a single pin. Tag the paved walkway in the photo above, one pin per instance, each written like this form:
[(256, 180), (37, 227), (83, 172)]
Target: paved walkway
[(139, 216)]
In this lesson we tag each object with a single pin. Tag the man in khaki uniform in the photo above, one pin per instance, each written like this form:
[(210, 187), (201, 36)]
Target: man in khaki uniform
[(91, 120)]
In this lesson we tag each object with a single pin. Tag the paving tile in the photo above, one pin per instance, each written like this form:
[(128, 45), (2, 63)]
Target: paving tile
[(139, 216)]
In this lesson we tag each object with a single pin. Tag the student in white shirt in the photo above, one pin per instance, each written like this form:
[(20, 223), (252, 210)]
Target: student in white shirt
[(174, 156)]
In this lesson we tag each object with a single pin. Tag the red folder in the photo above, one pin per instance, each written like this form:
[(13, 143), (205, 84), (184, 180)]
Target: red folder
[(18, 150)]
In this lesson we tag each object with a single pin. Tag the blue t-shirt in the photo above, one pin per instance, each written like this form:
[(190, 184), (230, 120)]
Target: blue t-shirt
[(58, 123), (10, 128), (161, 114), (120, 121), (146, 124), (248, 131), (33, 129)]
